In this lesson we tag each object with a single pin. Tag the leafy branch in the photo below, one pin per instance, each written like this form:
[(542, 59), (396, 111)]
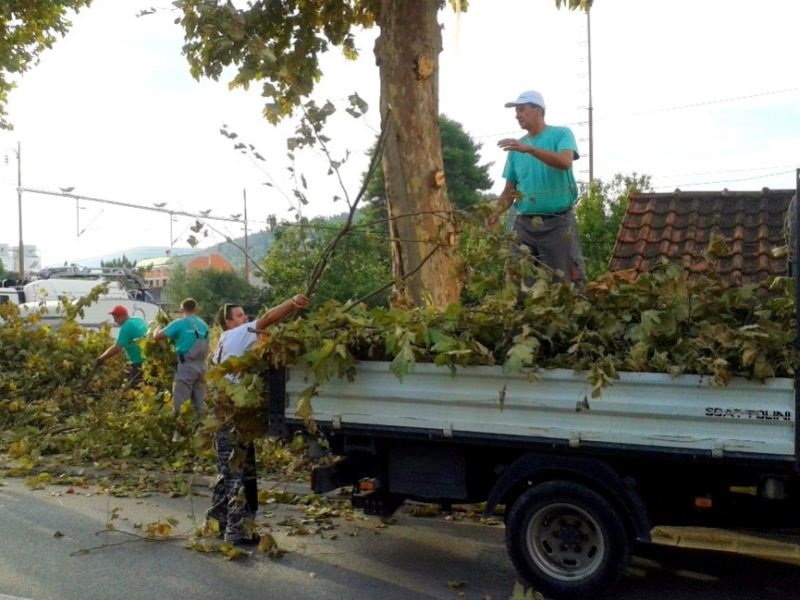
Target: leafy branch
[(330, 249)]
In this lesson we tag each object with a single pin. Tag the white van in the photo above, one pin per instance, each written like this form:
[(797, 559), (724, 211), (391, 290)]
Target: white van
[(44, 296)]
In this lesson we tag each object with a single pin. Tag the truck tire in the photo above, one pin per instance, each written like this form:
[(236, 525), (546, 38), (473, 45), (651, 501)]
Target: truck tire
[(566, 540)]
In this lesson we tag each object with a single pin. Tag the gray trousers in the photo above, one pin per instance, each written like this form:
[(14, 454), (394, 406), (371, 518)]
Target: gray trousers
[(190, 378), (552, 241)]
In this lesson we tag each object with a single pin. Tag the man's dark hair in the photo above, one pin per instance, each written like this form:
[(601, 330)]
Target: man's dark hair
[(224, 314), (189, 305)]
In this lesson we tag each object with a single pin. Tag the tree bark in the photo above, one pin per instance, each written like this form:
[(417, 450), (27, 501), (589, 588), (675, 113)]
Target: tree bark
[(422, 223)]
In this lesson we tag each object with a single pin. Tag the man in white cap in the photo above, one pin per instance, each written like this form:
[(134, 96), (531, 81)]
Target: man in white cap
[(541, 185), (131, 330)]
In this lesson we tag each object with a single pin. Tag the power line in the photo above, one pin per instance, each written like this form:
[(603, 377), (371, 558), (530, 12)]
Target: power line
[(744, 170), (724, 180), (694, 105), (167, 211), (659, 110)]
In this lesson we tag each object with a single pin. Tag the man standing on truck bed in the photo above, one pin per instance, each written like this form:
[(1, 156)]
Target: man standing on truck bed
[(235, 500), (131, 330), (541, 186), (189, 333)]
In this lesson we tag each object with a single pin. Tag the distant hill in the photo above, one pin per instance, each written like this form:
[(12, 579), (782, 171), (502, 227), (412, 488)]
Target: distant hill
[(258, 244), (138, 254)]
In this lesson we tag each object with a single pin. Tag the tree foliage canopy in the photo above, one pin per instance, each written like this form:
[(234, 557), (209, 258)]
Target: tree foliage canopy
[(276, 43), (599, 212), (26, 30), (359, 267), (124, 263)]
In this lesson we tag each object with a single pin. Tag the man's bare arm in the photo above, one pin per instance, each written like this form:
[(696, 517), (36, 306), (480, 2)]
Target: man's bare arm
[(558, 160)]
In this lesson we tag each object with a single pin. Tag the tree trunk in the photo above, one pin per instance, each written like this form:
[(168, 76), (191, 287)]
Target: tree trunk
[(422, 224)]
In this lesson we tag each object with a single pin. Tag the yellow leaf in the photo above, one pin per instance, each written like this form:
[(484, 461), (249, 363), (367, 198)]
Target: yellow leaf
[(201, 545), (159, 528), (19, 448), (231, 552), (267, 545)]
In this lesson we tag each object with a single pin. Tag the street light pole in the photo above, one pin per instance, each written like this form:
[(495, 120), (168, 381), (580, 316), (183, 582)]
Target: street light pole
[(21, 257)]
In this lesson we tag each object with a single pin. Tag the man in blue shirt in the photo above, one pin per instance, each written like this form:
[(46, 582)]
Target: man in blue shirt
[(541, 186), (131, 330), (189, 333)]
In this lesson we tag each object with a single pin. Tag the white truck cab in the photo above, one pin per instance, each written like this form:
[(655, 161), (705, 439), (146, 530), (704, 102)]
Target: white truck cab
[(11, 295)]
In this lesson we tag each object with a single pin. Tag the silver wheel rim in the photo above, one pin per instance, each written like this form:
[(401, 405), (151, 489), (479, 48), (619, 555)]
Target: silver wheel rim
[(565, 542)]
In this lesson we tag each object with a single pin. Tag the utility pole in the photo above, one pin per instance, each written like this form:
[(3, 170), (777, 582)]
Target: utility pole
[(591, 135), (246, 248), (171, 239), (19, 210)]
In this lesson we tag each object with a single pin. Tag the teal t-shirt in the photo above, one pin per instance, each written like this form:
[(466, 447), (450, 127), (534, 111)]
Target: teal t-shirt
[(544, 189), (184, 332), (130, 333)]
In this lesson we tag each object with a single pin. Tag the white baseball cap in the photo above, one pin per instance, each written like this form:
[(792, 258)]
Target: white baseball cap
[(529, 97)]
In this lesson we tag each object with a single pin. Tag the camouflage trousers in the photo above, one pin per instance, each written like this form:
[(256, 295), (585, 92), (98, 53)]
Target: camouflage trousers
[(234, 500)]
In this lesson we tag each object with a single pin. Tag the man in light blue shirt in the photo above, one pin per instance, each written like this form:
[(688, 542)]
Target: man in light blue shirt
[(131, 330), (541, 186), (189, 333)]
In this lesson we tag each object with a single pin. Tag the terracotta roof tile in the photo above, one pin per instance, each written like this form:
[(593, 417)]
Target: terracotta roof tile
[(679, 225)]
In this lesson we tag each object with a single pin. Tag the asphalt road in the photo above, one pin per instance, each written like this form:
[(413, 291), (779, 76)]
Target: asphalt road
[(50, 548)]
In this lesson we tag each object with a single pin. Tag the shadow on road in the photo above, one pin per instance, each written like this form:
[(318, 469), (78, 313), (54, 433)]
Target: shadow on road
[(663, 572)]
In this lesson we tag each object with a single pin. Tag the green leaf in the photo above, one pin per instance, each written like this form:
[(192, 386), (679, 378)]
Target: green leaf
[(404, 360)]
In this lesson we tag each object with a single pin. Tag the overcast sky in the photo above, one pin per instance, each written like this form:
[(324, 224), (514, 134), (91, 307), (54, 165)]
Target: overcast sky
[(697, 94)]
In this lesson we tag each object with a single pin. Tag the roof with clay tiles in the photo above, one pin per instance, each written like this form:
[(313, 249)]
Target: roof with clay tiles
[(679, 225)]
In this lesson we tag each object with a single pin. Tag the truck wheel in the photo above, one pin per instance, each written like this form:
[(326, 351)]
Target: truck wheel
[(566, 540)]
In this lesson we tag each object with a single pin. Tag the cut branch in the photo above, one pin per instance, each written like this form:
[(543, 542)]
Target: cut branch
[(330, 249)]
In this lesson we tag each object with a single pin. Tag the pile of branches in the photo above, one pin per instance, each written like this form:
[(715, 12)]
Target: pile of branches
[(663, 321)]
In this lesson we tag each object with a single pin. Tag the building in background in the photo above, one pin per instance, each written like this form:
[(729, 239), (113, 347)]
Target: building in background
[(5, 257), (212, 260), (158, 271), (31, 259)]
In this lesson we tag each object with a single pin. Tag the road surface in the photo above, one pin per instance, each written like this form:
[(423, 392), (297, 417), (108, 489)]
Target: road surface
[(50, 548)]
